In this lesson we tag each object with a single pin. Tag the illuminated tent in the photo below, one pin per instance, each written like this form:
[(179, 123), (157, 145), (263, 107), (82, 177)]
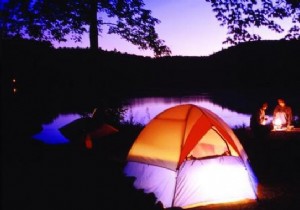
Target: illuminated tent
[(188, 156)]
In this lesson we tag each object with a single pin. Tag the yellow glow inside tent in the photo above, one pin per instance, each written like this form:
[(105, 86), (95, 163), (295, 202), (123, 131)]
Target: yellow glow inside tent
[(232, 190)]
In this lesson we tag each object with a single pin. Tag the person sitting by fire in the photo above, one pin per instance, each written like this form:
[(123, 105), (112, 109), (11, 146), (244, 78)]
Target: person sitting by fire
[(258, 121), (282, 115)]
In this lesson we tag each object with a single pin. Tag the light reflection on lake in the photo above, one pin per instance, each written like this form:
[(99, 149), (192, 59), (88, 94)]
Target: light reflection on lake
[(142, 110), (50, 133)]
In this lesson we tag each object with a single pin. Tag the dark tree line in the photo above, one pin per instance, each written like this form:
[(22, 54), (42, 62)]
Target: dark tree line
[(255, 65)]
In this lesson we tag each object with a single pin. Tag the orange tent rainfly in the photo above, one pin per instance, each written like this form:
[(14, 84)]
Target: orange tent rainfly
[(188, 156), (99, 132), (85, 129)]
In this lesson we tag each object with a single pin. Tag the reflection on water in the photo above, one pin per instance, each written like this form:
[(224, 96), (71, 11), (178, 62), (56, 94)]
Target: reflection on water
[(142, 110), (50, 133)]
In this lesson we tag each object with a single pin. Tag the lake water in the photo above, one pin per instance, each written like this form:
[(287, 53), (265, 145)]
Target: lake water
[(142, 110)]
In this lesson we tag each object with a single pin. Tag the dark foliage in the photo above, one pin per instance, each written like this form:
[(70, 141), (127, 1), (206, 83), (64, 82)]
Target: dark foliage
[(241, 16), (69, 19), (265, 65)]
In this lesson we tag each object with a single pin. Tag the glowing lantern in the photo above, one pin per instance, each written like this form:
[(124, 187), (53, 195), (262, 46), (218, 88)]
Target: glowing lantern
[(279, 121)]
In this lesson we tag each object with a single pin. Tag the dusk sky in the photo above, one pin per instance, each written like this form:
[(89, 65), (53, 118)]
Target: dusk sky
[(189, 28)]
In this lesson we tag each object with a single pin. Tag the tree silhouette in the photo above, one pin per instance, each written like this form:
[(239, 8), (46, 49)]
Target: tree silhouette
[(61, 19), (58, 20), (240, 15)]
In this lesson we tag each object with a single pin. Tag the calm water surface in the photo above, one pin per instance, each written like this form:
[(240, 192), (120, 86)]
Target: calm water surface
[(142, 110)]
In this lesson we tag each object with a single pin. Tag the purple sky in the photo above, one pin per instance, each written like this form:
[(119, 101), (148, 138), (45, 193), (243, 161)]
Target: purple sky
[(188, 27)]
